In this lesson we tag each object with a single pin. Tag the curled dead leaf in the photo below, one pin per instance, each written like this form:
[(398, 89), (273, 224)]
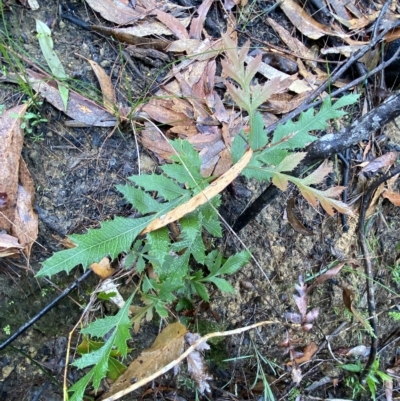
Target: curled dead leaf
[(102, 269), (294, 221)]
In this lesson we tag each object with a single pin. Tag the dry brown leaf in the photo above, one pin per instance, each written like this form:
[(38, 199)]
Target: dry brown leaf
[(11, 141), (148, 28), (348, 298), (9, 246), (362, 22), (183, 46), (197, 23), (26, 225), (294, 221), (102, 269), (283, 103), (393, 35), (17, 189), (84, 111), (172, 23), (340, 9), (163, 111), (293, 83), (210, 156), (295, 45), (224, 163), (125, 35), (107, 87), (386, 160), (304, 23), (167, 347), (329, 274), (204, 196), (154, 141), (117, 13), (346, 51), (308, 353), (393, 197), (65, 242), (376, 198)]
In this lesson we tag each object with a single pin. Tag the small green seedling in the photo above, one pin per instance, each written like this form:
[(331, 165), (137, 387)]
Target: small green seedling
[(375, 376)]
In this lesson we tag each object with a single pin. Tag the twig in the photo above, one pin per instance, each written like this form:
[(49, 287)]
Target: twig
[(345, 182), (368, 269), (174, 363), (51, 305)]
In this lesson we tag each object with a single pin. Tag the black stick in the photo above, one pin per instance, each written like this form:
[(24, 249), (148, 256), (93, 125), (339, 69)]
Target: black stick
[(368, 269), (26, 326)]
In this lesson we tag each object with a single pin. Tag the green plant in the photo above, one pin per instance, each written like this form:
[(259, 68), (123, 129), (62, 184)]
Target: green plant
[(30, 120), (395, 315), (7, 329), (180, 260), (372, 380)]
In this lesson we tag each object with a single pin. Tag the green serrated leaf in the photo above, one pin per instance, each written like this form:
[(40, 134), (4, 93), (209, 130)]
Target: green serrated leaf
[(201, 290), (159, 242), (140, 200), (346, 101), (191, 179), (164, 186), (272, 156), (235, 263), (222, 284), (187, 155), (255, 170), (238, 148), (290, 162), (309, 121), (351, 367), (258, 139), (215, 264), (80, 386), (120, 324), (211, 220), (161, 310), (191, 238), (111, 239)]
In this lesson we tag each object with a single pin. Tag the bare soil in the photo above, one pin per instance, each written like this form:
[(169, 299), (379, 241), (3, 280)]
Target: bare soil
[(75, 171)]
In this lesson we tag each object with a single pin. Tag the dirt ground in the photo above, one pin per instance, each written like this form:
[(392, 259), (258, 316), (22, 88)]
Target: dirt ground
[(75, 171)]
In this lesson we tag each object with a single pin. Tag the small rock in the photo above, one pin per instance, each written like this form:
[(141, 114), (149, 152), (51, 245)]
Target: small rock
[(105, 63)]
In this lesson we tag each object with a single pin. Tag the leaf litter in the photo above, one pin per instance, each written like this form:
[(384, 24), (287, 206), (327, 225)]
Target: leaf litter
[(18, 221), (201, 118)]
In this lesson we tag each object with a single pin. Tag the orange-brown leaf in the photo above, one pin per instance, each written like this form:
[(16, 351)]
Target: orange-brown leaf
[(393, 197)]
